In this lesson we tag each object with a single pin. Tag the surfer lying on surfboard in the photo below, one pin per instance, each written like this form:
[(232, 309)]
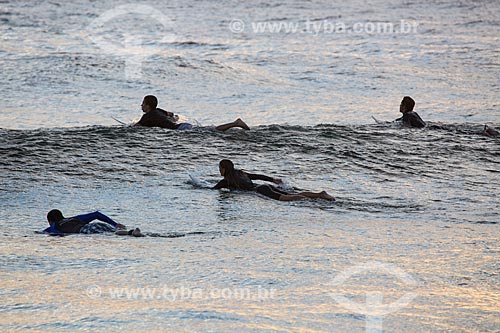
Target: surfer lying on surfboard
[(81, 224), (235, 179), (156, 117), (410, 118)]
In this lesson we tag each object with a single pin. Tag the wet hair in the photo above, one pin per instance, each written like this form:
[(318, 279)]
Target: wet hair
[(54, 215), (227, 165), (231, 175), (409, 103), (151, 100)]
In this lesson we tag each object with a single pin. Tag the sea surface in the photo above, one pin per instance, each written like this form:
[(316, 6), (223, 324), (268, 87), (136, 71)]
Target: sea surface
[(410, 245)]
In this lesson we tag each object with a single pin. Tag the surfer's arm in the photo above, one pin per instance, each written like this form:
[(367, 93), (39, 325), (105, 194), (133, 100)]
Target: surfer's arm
[(416, 121), (221, 184), (87, 218), (254, 176), (141, 122), (52, 230), (172, 117)]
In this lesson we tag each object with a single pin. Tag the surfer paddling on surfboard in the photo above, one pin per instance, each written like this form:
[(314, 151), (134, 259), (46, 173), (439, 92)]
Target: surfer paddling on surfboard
[(410, 118), (156, 117), (81, 224), (235, 179)]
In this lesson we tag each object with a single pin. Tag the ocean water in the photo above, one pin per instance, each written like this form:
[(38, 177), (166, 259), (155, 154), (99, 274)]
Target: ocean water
[(410, 245)]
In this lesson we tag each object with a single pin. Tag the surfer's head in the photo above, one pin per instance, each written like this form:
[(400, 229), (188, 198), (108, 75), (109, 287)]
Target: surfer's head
[(407, 104), (225, 167), (149, 103), (54, 216)]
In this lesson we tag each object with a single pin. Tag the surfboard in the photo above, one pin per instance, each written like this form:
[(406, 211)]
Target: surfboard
[(51, 233), (119, 121), (377, 121), (199, 182)]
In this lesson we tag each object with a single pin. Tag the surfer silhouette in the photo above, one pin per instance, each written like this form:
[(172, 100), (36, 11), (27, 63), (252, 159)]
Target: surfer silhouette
[(235, 179), (489, 131), (410, 118), (81, 224), (156, 117)]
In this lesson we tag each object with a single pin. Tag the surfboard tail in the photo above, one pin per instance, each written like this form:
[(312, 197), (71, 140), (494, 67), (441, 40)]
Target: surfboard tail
[(376, 120)]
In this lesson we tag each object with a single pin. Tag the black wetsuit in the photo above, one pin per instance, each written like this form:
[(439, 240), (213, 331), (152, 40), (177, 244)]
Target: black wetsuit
[(157, 118), (76, 223), (412, 119), (70, 225), (240, 180)]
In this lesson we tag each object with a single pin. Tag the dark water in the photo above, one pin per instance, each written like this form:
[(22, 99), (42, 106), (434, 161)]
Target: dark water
[(380, 170)]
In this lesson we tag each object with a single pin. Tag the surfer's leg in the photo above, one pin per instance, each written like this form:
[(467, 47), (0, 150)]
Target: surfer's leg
[(137, 233), (133, 232), (305, 195), (237, 123), (270, 191)]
